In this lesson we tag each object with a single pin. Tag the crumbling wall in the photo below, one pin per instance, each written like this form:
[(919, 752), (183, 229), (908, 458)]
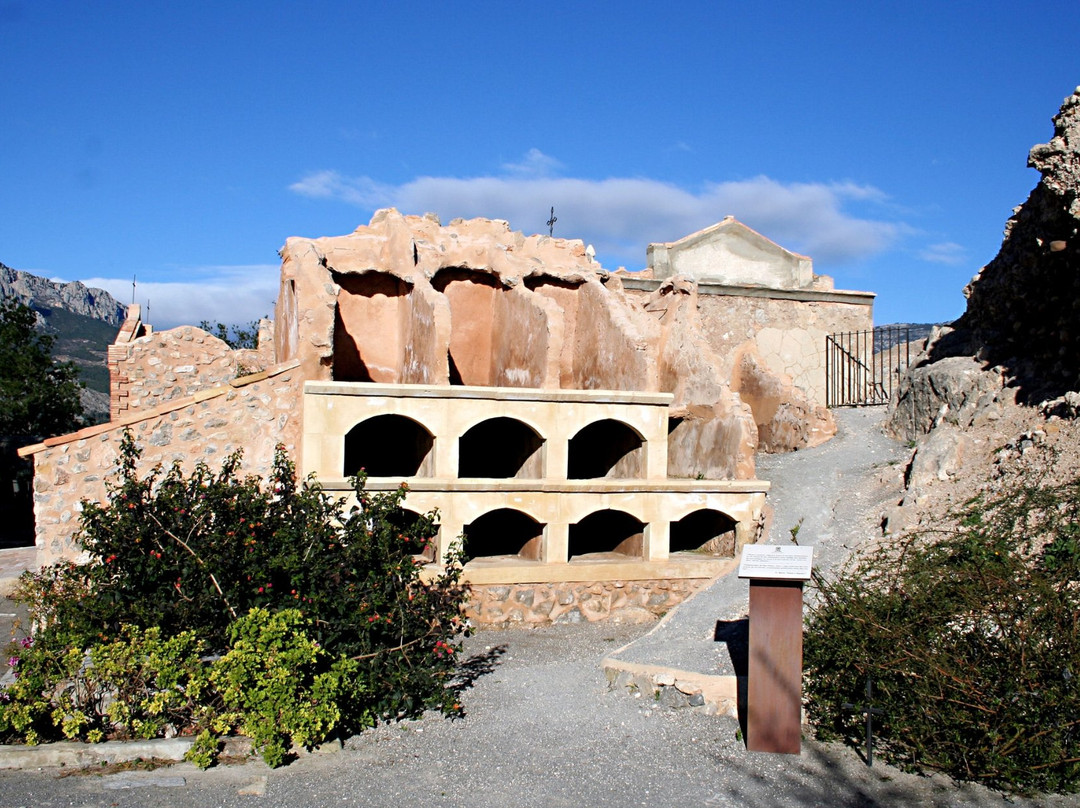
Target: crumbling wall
[(1018, 339), (712, 434), (428, 335), (615, 347), (167, 365), (786, 419), (788, 334), (1021, 311), (530, 328), (253, 413)]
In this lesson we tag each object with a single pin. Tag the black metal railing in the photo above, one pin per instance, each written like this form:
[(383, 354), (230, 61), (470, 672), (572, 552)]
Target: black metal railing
[(862, 368)]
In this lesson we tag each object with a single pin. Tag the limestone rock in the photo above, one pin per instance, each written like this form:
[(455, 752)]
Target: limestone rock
[(938, 456), (956, 390), (1022, 306), (74, 297)]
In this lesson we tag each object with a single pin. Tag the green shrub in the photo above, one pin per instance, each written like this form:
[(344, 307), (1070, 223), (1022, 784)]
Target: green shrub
[(279, 687), (238, 564), (972, 642)]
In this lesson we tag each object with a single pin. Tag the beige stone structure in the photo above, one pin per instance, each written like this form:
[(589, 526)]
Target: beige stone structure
[(590, 435), (764, 313)]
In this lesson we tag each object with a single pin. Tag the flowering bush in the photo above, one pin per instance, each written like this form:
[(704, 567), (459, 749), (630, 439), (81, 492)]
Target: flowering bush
[(176, 555)]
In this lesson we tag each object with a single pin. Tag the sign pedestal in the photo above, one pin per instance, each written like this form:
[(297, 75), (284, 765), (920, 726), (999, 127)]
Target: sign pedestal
[(774, 674)]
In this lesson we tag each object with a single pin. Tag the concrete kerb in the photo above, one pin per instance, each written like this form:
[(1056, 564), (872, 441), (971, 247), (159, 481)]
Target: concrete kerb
[(710, 693), (76, 754), (714, 695)]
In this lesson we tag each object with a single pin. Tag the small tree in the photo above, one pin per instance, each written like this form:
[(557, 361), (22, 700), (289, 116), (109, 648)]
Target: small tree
[(39, 397)]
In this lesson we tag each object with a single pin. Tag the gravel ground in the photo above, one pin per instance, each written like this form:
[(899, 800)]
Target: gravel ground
[(543, 729)]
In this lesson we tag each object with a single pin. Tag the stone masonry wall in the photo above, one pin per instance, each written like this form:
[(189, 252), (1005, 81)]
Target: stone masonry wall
[(579, 601), (253, 413), (169, 365)]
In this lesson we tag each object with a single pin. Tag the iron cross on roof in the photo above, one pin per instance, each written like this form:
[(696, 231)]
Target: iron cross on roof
[(551, 222)]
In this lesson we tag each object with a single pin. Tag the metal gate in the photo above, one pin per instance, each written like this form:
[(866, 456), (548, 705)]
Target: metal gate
[(862, 368)]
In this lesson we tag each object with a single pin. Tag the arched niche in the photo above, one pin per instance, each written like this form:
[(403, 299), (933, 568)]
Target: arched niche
[(608, 533), (471, 295), (370, 327), (504, 533), (501, 448), (707, 531), (389, 446), (607, 448)]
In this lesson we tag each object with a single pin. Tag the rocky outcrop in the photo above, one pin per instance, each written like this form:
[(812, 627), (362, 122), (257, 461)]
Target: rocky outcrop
[(1020, 335), (1018, 342), (38, 292)]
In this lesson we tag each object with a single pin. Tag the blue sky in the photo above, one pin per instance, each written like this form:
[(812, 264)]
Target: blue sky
[(182, 143)]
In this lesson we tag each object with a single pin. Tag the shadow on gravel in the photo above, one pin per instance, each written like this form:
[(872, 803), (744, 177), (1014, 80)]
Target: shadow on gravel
[(476, 666), (735, 634), (816, 779)]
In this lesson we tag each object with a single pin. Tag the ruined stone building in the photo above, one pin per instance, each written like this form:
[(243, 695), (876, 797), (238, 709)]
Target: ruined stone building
[(590, 434)]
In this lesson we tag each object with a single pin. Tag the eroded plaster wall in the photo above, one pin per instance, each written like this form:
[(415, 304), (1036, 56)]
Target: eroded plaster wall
[(788, 334), (614, 347), (529, 359)]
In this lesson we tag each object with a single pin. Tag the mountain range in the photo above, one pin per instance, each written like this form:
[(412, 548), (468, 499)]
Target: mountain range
[(83, 322)]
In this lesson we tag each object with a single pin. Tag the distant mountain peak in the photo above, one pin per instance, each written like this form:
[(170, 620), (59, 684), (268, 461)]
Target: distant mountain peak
[(42, 293)]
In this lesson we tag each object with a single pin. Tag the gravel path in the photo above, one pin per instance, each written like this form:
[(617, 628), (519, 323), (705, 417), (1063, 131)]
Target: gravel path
[(833, 492), (543, 729)]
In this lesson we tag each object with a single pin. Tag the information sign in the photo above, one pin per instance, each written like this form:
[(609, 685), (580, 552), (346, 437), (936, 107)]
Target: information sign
[(786, 562)]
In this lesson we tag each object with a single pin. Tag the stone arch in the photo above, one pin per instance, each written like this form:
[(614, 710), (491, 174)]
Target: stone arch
[(389, 446), (706, 531), (607, 533), (606, 448), (501, 448), (504, 532)]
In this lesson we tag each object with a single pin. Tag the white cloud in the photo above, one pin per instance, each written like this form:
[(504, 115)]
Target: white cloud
[(946, 252), (620, 216), (534, 164), (226, 294)]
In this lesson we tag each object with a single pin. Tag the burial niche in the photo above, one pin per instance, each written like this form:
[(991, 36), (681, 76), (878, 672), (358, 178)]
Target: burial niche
[(606, 448), (504, 533), (389, 446), (708, 532), (501, 448), (607, 533)]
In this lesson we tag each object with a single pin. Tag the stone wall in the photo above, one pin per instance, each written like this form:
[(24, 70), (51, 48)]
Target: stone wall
[(148, 368), (788, 332), (579, 601), (253, 414)]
